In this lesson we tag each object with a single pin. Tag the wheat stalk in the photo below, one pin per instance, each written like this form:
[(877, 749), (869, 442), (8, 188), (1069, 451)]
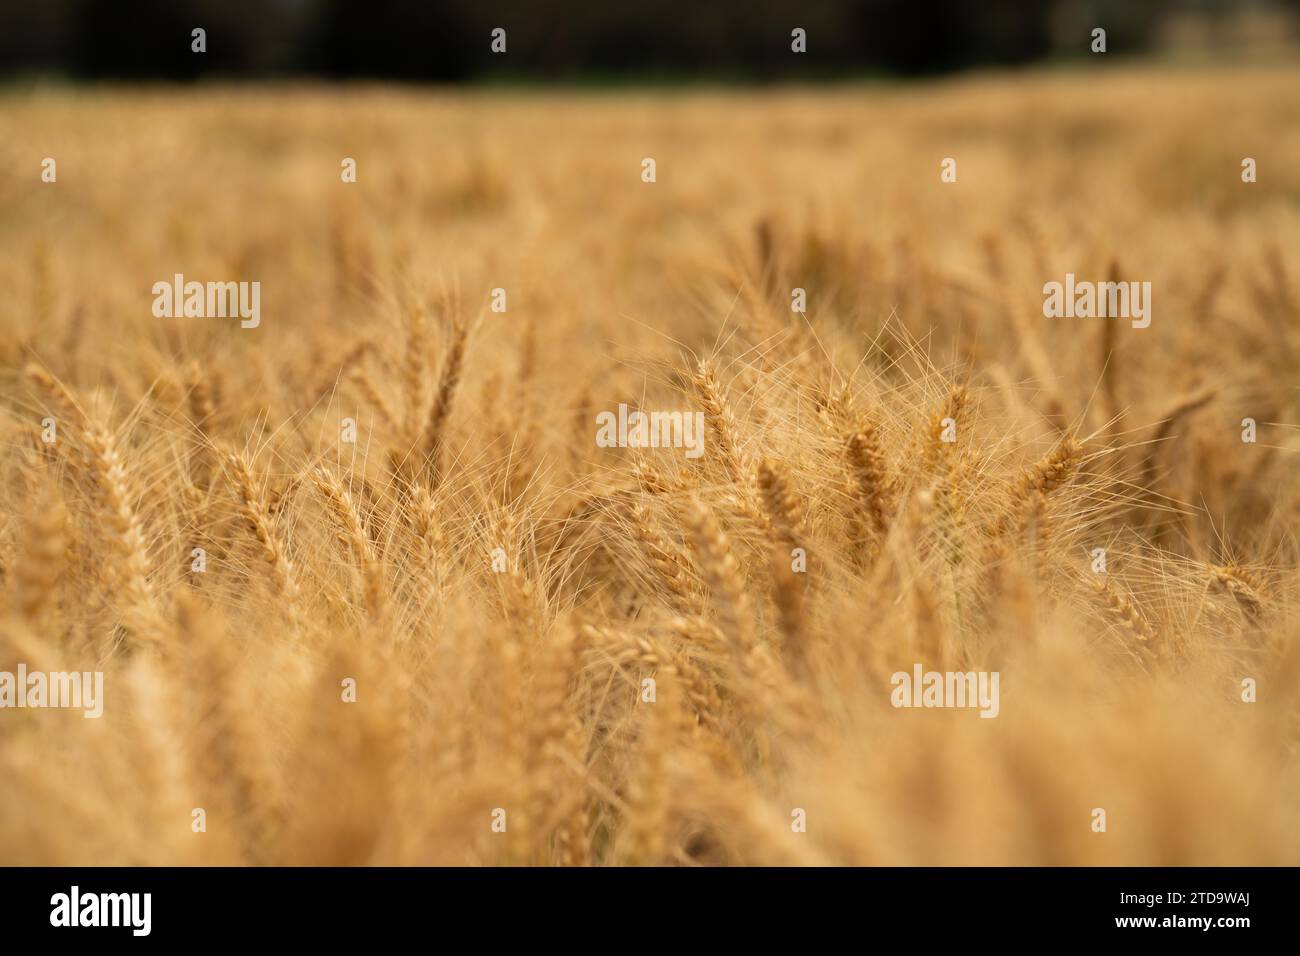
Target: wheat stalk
[(356, 540)]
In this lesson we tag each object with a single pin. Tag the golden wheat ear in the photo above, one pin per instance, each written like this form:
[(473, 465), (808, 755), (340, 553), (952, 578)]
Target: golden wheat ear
[(255, 509), (36, 576), (130, 567), (435, 426), (872, 480), (355, 538)]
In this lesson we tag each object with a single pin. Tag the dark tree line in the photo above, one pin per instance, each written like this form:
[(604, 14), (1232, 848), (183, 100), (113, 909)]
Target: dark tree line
[(448, 40)]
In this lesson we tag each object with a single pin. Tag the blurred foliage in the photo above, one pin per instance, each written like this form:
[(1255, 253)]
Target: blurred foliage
[(448, 40)]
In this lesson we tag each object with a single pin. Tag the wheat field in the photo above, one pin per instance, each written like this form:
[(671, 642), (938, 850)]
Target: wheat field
[(430, 645)]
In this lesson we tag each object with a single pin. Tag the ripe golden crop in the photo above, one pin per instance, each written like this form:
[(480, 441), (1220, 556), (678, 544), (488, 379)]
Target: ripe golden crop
[(365, 587)]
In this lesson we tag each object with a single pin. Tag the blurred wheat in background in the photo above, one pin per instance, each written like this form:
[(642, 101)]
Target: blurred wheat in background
[(520, 687)]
